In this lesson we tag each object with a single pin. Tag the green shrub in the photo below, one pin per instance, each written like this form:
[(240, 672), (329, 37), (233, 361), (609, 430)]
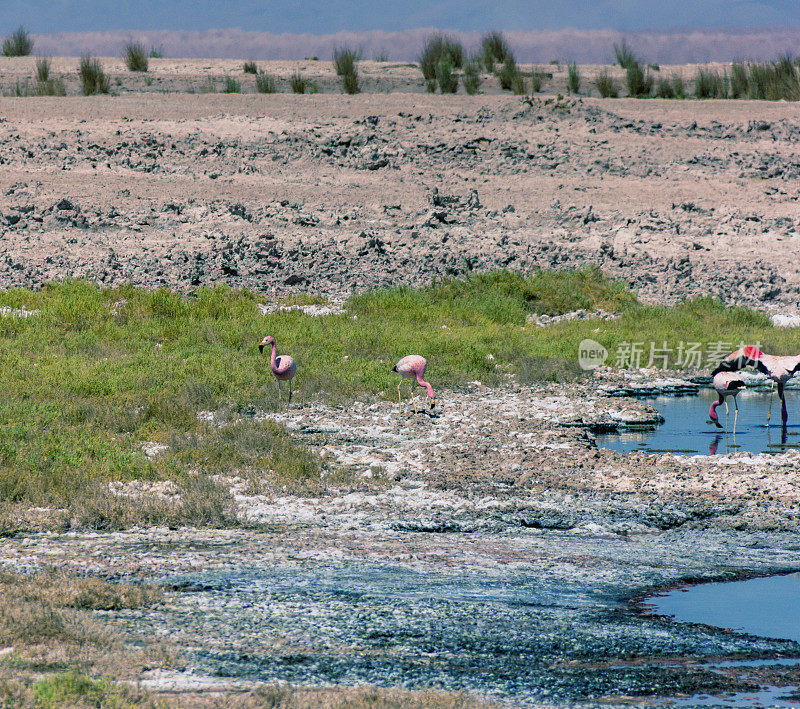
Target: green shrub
[(156, 53), (42, 68), (709, 84), (135, 56), (472, 76), (429, 58), (518, 84), (299, 84), (350, 82), (232, 86), (605, 85), (624, 55), (250, 68), (265, 83), (760, 81), (345, 58), (18, 43), (665, 89), (677, 86), (345, 61), (382, 56), (436, 48), (20, 90), (739, 84), (93, 79), (446, 77), (774, 81), (573, 79), (51, 87), (536, 82), (507, 75), (453, 49), (495, 50), (640, 83)]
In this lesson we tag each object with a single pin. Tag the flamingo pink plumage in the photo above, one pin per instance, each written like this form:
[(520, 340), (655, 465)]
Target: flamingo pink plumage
[(726, 384), (779, 369), (413, 366), (283, 366)]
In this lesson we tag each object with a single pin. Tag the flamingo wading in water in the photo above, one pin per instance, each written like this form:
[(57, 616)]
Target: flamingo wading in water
[(779, 369), (413, 366), (725, 384), (283, 366)]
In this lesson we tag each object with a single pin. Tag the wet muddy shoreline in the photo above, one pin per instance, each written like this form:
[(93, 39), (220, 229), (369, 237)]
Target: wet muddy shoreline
[(492, 549), (521, 617)]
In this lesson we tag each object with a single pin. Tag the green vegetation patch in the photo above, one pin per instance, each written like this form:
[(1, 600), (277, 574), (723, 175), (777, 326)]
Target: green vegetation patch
[(76, 689), (18, 44), (135, 55), (99, 373)]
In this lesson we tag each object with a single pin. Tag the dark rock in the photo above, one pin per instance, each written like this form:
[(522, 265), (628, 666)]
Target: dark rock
[(376, 164)]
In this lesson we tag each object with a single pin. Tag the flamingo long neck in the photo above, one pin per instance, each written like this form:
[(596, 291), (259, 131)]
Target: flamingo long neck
[(712, 412), (425, 384), (272, 364)]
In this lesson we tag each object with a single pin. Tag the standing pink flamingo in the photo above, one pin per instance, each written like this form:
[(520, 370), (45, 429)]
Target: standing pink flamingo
[(778, 369), (413, 366), (726, 384), (283, 367)]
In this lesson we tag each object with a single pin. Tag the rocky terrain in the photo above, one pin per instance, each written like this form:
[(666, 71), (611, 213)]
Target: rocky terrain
[(331, 193)]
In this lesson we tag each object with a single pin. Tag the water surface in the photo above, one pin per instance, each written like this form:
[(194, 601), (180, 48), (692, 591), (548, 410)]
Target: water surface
[(768, 606), (687, 428)]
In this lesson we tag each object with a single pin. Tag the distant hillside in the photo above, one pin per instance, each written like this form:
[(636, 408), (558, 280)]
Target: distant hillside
[(583, 46)]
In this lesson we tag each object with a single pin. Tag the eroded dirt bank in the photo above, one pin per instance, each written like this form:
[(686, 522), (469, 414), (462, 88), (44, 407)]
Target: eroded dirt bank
[(331, 194), (491, 549)]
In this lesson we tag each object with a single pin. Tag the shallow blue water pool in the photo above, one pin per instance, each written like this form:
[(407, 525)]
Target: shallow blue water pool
[(768, 606), (687, 428)]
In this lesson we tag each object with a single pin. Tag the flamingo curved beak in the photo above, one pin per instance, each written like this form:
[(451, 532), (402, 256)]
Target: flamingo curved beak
[(433, 403), (261, 347)]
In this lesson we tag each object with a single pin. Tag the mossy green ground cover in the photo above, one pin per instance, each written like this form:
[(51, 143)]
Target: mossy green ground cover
[(99, 371)]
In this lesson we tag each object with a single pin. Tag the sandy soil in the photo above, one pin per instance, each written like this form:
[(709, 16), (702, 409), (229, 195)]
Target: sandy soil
[(332, 193)]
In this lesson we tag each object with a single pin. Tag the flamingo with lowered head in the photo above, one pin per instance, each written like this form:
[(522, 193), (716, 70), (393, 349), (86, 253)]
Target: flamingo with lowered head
[(779, 369), (413, 366), (283, 366), (726, 384)]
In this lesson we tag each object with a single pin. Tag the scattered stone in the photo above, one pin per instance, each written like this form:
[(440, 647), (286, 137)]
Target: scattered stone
[(545, 320)]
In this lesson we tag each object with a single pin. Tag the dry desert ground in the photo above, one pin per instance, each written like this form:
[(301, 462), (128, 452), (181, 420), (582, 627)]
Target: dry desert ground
[(331, 193)]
